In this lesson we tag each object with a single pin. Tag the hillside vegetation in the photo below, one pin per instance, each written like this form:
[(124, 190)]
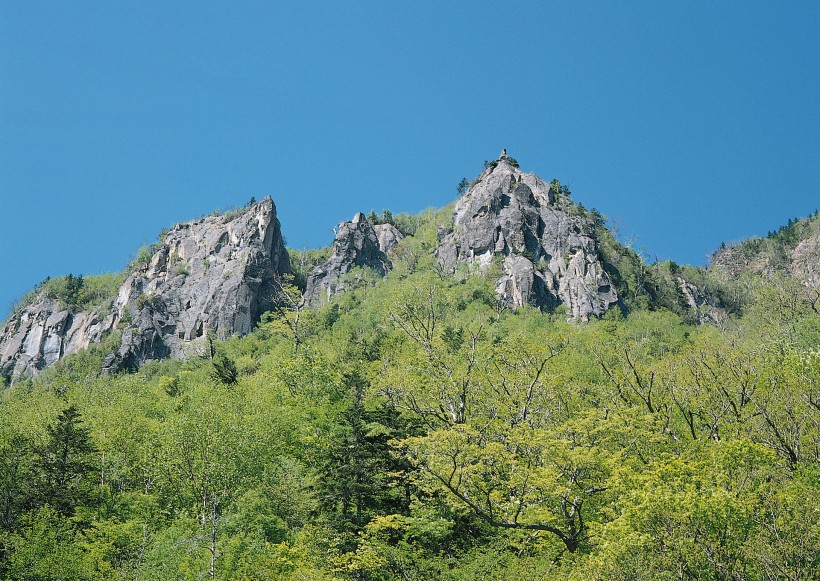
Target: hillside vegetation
[(414, 428)]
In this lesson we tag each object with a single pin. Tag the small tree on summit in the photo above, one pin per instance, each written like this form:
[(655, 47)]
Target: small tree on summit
[(462, 186)]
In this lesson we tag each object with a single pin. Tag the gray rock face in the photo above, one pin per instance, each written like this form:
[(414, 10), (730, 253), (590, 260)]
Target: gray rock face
[(389, 237), (44, 332), (215, 275), (549, 252), (357, 243), (802, 262)]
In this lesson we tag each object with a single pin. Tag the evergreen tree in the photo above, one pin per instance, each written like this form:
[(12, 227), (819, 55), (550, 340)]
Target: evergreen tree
[(15, 478), (462, 187), (224, 370), (66, 467), (361, 478)]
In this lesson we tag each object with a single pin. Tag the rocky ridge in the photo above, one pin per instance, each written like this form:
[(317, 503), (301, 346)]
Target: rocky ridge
[(548, 249), (794, 250), (215, 275)]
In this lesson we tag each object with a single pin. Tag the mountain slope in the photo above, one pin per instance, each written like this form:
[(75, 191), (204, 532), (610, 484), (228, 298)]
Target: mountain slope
[(215, 276)]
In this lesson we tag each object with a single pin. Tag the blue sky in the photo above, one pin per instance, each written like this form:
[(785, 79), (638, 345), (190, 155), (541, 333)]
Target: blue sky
[(687, 123)]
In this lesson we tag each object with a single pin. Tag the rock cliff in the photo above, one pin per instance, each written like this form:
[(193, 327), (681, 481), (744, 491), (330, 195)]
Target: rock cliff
[(213, 275), (547, 245), (705, 306), (357, 243), (44, 331)]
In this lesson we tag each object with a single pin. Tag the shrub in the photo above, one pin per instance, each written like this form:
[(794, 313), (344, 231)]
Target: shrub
[(170, 385), (127, 317), (224, 370)]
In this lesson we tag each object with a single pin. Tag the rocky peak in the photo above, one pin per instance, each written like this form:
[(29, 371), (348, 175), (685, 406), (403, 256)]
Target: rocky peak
[(357, 243), (212, 275), (547, 245)]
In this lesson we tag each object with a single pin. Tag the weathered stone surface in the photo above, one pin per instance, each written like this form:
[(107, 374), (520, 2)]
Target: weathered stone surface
[(550, 253), (44, 332), (357, 243), (802, 262), (213, 275), (732, 260)]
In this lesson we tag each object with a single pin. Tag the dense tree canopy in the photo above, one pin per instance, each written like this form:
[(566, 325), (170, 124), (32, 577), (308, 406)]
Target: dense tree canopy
[(414, 429)]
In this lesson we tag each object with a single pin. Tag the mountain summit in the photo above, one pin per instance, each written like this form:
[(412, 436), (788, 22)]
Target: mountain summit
[(548, 248)]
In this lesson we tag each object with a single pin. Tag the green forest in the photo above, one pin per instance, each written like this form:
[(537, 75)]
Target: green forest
[(414, 428)]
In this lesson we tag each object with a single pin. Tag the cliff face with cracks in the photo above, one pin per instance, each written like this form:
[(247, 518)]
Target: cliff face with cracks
[(215, 275), (549, 253)]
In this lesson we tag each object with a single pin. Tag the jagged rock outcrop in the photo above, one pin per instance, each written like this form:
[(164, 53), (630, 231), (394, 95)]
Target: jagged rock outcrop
[(706, 307), (215, 275), (796, 255), (548, 246), (357, 243)]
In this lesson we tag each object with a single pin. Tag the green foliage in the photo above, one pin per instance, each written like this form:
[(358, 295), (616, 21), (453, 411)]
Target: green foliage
[(127, 317), (411, 429), (143, 258), (463, 185), (302, 262), (74, 293), (148, 301), (772, 253), (560, 189), (65, 468), (224, 370), (361, 478)]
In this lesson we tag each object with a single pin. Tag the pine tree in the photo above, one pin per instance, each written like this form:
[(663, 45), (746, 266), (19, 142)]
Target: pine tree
[(66, 467), (361, 478), (462, 186)]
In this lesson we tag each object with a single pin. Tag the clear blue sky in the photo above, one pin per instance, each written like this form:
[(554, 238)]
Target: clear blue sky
[(689, 123)]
